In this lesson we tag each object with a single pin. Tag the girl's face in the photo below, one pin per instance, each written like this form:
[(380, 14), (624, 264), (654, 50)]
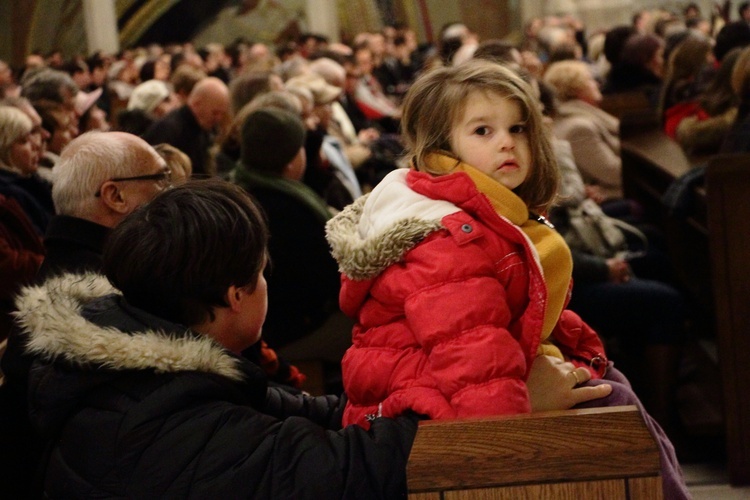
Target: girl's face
[(23, 155), (491, 136)]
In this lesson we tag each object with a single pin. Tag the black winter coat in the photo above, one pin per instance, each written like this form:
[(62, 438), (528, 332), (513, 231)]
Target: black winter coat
[(134, 406)]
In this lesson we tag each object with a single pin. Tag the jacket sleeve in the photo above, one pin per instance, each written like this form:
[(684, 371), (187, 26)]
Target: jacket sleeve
[(18, 267), (323, 410), (589, 268), (705, 136), (596, 159), (297, 459), (350, 463)]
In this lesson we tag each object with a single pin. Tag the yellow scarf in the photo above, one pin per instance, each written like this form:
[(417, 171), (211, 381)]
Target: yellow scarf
[(553, 252)]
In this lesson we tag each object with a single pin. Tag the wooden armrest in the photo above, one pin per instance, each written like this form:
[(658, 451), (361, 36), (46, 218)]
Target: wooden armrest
[(596, 444)]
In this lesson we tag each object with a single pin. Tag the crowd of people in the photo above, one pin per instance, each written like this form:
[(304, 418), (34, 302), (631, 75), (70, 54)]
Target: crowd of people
[(397, 225)]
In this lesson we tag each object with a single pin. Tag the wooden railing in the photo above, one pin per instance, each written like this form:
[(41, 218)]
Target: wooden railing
[(592, 453)]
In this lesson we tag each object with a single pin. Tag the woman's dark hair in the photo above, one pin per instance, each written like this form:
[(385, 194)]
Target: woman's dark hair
[(719, 95), (176, 256), (495, 50), (147, 70), (615, 40)]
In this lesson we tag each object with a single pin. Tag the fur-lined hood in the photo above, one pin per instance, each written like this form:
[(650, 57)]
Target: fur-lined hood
[(50, 315), (379, 228)]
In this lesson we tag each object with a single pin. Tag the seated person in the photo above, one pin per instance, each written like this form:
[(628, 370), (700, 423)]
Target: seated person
[(303, 280), (19, 163), (141, 392)]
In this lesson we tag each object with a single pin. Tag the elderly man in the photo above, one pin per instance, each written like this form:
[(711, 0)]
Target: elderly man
[(101, 178), (191, 127)]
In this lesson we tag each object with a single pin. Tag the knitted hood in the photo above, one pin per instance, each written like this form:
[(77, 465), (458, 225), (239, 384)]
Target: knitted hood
[(50, 316)]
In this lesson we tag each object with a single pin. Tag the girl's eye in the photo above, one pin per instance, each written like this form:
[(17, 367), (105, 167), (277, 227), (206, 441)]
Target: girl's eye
[(518, 129), (482, 130)]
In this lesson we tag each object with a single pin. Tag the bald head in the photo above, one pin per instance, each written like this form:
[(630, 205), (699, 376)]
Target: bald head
[(209, 102), (83, 184)]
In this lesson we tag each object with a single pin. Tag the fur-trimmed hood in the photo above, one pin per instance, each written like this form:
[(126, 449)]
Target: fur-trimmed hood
[(50, 315), (379, 228)]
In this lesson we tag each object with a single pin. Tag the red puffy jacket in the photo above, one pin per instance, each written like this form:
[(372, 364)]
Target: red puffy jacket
[(449, 301)]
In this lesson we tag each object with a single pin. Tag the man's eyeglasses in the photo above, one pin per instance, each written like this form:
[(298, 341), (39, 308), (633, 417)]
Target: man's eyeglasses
[(164, 178)]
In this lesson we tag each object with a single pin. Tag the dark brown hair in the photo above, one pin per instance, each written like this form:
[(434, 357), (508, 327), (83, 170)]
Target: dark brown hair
[(177, 256)]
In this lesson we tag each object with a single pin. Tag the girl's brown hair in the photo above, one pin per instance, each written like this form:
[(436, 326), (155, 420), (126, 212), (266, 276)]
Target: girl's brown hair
[(436, 101)]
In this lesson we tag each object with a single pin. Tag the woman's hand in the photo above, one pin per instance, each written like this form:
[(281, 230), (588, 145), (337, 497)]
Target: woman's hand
[(619, 270), (553, 385)]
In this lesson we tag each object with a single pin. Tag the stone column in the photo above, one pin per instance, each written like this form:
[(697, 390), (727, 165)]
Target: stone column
[(322, 17), (100, 19)]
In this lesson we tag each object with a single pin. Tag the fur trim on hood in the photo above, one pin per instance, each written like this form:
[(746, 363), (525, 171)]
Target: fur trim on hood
[(50, 315), (377, 230)]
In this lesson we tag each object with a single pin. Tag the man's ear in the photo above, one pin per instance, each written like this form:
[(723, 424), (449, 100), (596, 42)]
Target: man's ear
[(112, 197)]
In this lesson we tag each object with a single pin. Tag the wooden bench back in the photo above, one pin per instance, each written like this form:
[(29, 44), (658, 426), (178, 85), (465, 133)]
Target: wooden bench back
[(621, 103), (591, 453), (728, 188)]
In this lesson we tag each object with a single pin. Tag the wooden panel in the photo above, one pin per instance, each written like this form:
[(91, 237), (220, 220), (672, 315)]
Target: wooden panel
[(487, 18), (645, 488), (728, 185), (435, 495), (621, 103), (590, 444), (610, 490)]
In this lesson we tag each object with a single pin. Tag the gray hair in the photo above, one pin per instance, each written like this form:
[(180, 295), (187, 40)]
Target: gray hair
[(47, 84), (13, 125), (89, 161)]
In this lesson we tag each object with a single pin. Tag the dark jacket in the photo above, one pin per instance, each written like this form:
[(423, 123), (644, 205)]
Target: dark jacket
[(72, 244), (134, 406), (33, 193), (21, 253), (180, 129), (303, 278), (21, 250), (737, 139)]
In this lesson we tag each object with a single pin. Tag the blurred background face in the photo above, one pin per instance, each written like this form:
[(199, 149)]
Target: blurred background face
[(23, 155), (324, 113), (590, 92), (65, 132)]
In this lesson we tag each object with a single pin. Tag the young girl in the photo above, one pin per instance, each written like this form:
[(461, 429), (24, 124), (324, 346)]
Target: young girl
[(457, 284)]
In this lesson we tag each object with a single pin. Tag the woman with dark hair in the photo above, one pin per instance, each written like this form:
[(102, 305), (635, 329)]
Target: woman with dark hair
[(703, 132), (686, 77), (738, 137), (641, 67)]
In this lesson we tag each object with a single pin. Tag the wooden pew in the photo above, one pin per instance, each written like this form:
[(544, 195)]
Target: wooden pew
[(728, 185), (621, 103), (651, 161), (591, 453), (709, 249)]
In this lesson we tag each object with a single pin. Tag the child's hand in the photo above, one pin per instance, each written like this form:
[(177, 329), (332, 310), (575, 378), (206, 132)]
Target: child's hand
[(553, 385)]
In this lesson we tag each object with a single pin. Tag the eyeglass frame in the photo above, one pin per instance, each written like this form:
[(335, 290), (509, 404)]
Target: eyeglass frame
[(166, 173)]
